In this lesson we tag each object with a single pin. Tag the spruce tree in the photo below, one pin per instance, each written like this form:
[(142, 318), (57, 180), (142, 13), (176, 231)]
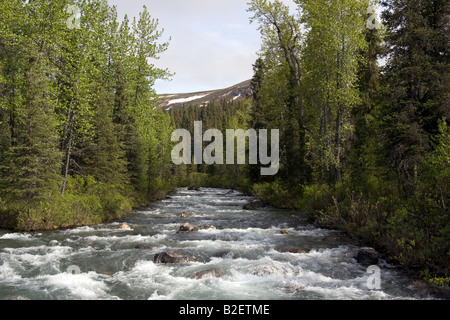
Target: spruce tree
[(257, 114), (5, 144), (365, 158), (33, 160), (104, 157), (417, 79), (124, 114)]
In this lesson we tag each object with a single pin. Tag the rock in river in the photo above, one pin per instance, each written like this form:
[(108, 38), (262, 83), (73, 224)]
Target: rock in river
[(187, 227), (255, 204), (124, 226), (171, 257), (367, 256)]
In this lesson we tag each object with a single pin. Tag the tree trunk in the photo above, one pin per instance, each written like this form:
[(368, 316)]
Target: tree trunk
[(68, 152)]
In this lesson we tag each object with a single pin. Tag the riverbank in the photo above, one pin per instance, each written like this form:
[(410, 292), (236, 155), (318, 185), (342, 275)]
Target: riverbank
[(84, 204)]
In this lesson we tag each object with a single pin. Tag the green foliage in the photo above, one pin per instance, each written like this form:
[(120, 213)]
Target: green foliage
[(160, 189), (86, 202), (442, 281), (331, 57), (279, 93), (313, 198), (376, 139), (416, 78), (80, 137), (364, 149), (273, 193), (221, 116)]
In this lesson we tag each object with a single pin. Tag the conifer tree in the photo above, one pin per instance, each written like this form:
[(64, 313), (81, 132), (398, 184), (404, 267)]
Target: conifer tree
[(366, 153), (33, 160), (258, 120), (124, 114), (417, 79), (105, 158)]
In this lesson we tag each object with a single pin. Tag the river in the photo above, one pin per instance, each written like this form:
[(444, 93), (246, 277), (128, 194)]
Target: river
[(244, 257)]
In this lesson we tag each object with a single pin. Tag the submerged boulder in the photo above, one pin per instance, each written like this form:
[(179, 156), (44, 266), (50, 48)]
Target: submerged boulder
[(171, 257), (205, 274), (367, 256), (255, 204)]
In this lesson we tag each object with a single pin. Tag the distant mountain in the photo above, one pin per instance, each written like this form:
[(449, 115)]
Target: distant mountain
[(237, 92)]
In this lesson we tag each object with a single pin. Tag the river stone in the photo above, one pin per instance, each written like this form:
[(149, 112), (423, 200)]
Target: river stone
[(124, 226), (187, 227), (171, 257), (294, 287), (367, 256), (210, 273), (255, 204), (186, 215)]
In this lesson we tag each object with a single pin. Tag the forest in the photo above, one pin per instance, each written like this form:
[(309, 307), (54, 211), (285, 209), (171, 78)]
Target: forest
[(362, 108), (80, 134)]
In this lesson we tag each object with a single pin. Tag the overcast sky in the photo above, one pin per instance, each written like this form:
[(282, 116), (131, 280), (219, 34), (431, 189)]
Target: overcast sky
[(213, 44)]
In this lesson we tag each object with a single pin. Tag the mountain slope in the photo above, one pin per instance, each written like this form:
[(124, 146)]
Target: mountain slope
[(237, 92)]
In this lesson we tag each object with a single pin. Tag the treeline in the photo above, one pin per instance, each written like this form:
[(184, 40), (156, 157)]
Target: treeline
[(221, 115), (81, 140), (364, 148)]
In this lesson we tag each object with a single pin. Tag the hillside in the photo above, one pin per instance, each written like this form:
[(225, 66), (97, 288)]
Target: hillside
[(237, 92)]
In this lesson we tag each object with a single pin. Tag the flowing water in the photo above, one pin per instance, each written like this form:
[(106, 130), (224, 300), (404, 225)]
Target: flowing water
[(250, 257)]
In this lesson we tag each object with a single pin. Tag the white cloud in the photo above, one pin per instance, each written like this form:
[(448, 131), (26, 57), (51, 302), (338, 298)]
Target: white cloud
[(213, 44)]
